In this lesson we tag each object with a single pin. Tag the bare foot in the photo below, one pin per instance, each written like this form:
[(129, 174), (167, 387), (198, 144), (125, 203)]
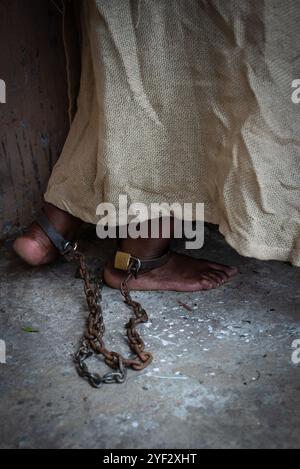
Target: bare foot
[(180, 273), (34, 246)]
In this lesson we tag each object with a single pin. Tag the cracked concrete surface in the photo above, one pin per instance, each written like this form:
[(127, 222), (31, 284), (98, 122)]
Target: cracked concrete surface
[(222, 375)]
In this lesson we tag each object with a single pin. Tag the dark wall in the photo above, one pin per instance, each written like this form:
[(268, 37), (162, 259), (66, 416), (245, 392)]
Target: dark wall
[(34, 120)]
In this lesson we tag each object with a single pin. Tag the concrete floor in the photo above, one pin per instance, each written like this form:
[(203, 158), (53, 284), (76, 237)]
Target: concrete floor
[(222, 376)]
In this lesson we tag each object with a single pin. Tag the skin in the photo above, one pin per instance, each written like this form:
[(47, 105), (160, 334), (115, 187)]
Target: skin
[(180, 273), (35, 248)]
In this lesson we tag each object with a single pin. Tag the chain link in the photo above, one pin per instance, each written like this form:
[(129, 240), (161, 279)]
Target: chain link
[(93, 343)]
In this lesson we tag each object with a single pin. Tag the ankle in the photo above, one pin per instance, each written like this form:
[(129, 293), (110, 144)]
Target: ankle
[(148, 248), (63, 222), (145, 248)]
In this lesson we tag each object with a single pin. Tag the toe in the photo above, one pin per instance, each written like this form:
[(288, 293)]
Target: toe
[(230, 271), (205, 284), (210, 280), (221, 276), (217, 277)]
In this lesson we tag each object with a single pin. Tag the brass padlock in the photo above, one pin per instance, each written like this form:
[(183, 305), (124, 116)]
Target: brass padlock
[(122, 260)]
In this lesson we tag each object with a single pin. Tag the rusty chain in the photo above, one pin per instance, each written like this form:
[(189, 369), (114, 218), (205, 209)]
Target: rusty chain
[(93, 343)]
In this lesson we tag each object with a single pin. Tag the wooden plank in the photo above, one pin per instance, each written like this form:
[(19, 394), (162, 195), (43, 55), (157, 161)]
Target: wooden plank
[(34, 120)]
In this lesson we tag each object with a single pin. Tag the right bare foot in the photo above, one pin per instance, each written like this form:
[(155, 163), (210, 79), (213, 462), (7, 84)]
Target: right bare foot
[(34, 246), (181, 273)]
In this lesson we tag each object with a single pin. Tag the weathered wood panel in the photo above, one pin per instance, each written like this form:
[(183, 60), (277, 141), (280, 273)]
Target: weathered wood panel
[(34, 119)]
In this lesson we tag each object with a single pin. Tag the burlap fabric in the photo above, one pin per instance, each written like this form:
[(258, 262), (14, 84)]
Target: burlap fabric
[(190, 101)]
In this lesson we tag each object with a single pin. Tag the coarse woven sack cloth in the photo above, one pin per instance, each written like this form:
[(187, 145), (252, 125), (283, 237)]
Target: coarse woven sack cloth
[(190, 101)]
